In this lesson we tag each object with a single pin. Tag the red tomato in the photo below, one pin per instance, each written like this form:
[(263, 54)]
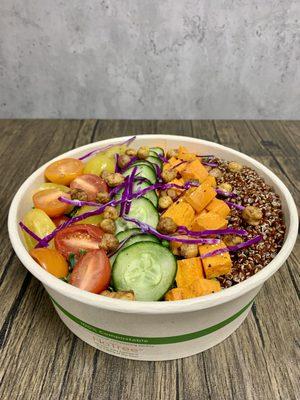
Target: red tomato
[(47, 200), (91, 184), (60, 220), (64, 171), (78, 237), (51, 260), (92, 272)]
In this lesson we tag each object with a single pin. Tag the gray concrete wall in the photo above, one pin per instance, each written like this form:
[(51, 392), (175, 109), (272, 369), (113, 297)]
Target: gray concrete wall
[(150, 58)]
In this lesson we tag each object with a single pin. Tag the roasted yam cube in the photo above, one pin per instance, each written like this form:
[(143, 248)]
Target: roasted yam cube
[(217, 265), (200, 197), (182, 213), (188, 270), (219, 207), (209, 220), (201, 287), (176, 294), (194, 170), (209, 181)]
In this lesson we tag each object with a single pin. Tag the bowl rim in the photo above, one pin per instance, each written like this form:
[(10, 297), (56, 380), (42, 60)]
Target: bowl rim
[(141, 307)]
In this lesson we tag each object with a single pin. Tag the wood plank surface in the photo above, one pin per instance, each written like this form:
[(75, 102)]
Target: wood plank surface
[(40, 359)]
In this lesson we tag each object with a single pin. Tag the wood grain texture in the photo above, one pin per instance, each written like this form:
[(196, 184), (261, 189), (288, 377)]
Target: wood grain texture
[(41, 359)]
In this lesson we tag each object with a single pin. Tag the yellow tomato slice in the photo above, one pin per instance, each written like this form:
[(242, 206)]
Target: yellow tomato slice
[(51, 260), (64, 171), (39, 223)]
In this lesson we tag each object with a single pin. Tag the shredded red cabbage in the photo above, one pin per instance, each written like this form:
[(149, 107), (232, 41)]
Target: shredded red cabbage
[(227, 231), (41, 242), (233, 205), (206, 155), (225, 194), (239, 246), (177, 165), (129, 190), (162, 158), (105, 148), (149, 229), (133, 160), (210, 164), (117, 168)]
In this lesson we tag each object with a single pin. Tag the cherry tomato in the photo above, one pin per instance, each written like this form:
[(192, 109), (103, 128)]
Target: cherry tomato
[(78, 237), (92, 272), (91, 184), (47, 200), (50, 185), (60, 220), (64, 171), (51, 260), (39, 223), (93, 220), (98, 163)]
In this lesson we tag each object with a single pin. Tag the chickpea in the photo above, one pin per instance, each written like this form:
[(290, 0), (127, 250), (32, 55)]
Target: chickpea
[(104, 174), (78, 194), (166, 225), (188, 250), (165, 202), (216, 172), (111, 213), (108, 225), (143, 152), (234, 167), (168, 175), (225, 186), (121, 295), (109, 243), (163, 193), (252, 215), (172, 153), (232, 240), (102, 197), (172, 193), (123, 160), (131, 152), (114, 179)]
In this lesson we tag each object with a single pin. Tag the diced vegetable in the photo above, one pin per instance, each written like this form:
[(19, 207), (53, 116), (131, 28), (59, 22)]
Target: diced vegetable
[(200, 197), (176, 294), (209, 181), (217, 265), (202, 287), (208, 220), (195, 170), (188, 270), (182, 213), (219, 207)]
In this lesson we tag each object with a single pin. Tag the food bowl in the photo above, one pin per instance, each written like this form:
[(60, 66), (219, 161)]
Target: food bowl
[(154, 330)]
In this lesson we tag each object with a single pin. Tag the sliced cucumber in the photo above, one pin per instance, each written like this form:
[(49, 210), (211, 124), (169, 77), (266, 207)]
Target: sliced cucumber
[(143, 162), (143, 171), (139, 185), (152, 153), (134, 239), (147, 268), (125, 234), (155, 160), (157, 150), (141, 209)]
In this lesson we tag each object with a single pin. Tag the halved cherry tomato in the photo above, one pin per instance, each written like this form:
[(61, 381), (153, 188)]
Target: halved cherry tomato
[(64, 171), (92, 272), (60, 220), (51, 260), (47, 200), (78, 237), (91, 184), (40, 224)]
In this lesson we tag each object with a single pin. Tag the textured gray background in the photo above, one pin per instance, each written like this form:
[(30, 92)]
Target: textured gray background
[(150, 58)]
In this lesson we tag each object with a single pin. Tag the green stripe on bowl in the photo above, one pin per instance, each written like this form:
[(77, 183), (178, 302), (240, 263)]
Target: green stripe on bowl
[(152, 340)]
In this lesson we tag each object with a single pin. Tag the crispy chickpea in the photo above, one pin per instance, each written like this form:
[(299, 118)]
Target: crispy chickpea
[(143, 152), (114, 179), (166, 225), (121, 295), (188, 250), (172, 153), (111, 213), (234, 167), (163, 193), (104, 174), (131, 152), (225, 186), (102, 197), (168, 175), (252, 215), (108, 225), (172, 193), (232, 240), (165, 202), (78, 194), (216, 172), (109, 243), (123, 160)]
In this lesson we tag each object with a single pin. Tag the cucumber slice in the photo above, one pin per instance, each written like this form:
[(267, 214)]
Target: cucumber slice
[(157, 150), (139, 185), (152, 153), (143, 171), (135, 239), (147, 268), (155, 160), (141, 209), (125, 234)]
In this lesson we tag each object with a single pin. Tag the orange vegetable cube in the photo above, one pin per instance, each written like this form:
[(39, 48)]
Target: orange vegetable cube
[(176, 294), (200, 197), (201, 287), (195, 170), (185, 155), (219, 207), (209, 220), (182, 213), (188, 270), (210, 181), (217, 265)]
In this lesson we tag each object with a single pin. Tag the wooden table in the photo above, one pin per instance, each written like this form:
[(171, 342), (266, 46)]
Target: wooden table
[(40, 359)]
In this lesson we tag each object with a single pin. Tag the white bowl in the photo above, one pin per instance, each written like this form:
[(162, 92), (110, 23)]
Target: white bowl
[(153, 330)]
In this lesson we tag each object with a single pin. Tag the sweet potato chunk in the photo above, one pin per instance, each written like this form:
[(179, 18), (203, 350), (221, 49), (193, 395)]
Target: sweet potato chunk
[(219, 207), (176, 294), (209, 181), (200, 197), (201, 287), (194, 170), (209, 220), (188, 270), (217, 265), (182, 213)]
